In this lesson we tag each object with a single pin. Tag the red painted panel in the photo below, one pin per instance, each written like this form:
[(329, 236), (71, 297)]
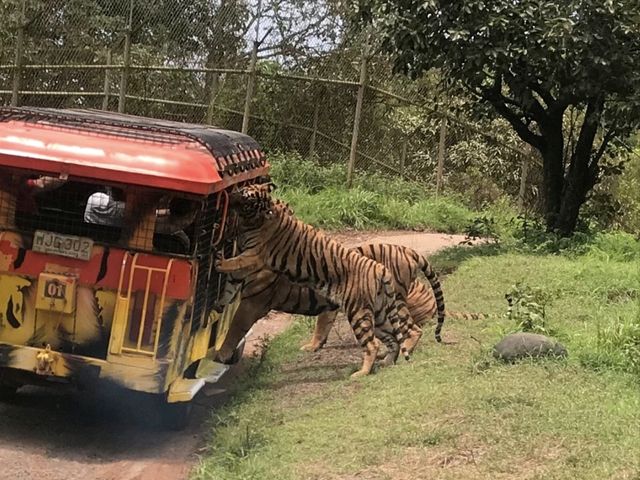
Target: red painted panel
[(102, 270)]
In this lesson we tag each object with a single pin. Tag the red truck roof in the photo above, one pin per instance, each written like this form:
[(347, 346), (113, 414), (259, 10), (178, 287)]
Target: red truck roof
[(119, 148)]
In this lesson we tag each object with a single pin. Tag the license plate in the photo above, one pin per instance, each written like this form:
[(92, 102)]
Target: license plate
[(64, 245)]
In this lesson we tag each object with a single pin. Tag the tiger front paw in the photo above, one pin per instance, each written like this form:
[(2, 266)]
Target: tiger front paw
[(218, 259)]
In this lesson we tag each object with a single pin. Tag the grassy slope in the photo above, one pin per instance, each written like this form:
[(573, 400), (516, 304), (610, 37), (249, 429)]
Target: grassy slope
[(453, 412), (318, 195)]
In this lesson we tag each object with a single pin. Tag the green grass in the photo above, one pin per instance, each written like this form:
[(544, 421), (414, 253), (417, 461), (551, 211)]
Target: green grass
[(337, 207), (318, 196), (454, 412)]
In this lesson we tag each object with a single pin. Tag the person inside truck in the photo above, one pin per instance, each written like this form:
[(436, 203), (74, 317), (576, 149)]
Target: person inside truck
[(105, 208), (108, 208), (32, 186)]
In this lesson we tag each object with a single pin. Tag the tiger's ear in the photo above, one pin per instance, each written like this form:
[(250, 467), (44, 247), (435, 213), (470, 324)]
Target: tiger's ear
[(271, 186)]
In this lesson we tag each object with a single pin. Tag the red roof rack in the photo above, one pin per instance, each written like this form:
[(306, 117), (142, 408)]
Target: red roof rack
[(128, 149)]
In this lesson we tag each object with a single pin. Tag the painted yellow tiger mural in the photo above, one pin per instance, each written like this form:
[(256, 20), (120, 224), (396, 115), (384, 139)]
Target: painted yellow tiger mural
[(273, 238)]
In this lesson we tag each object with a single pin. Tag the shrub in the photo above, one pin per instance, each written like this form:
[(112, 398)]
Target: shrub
[(527, 308), (616, 346)]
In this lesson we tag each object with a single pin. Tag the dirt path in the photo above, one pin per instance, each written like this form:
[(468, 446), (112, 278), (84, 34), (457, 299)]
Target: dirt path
[(53, 435)]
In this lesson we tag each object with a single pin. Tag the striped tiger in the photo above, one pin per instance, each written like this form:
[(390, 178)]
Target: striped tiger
[(264, 290), (405, 264), (364, 289), (420, 301)]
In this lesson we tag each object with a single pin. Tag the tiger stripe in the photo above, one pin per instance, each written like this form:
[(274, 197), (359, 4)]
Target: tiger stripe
[(274, 238)]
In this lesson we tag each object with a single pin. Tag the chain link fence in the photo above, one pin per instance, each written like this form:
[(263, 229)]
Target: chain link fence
[(296, 80)]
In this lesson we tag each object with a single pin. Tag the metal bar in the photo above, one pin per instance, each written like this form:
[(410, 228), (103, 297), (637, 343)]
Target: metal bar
[(165, 68), (314, 133), (252, 72), (397, 97), (107, 82), (441, 153), (32, 66), (357, 117), (309, 79), (51, 93), (524, 173), (213, 94), (161, 68), (19, 57), (132, 270), (403, 156), (145, 305), (250, 86), (163, 297), (174, 102), (124, 76), (119, 66)]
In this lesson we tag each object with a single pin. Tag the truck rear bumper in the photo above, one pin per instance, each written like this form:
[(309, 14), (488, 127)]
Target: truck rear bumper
[(46, 364)]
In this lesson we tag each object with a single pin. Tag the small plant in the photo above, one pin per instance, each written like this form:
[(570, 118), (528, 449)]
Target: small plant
[(481, 227), (616, 346), (260, 360), (527, 307)]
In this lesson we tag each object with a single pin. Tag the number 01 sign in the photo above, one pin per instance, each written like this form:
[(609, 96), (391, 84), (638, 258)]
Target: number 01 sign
[(55, 289), (56, 292)]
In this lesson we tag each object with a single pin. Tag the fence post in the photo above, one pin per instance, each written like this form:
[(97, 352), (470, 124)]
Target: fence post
[(126, 62), (524, 173), (107, 81), (403, 157), (441, 154), (250, 86), (314, 132), (213, 93), (357, 117), (251, 81), (19, 58)]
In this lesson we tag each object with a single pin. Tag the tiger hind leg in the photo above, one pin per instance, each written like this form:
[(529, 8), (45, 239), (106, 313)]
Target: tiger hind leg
[(411, 340), (323, 326), (362, 325), (400, 321), (411, 330), (392, 348)]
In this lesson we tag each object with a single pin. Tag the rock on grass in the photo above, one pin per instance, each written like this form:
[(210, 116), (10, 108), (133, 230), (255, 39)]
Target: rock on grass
[(521, 345)]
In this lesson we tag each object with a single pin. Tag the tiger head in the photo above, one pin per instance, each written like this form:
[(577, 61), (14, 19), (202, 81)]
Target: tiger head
[(253, 200)]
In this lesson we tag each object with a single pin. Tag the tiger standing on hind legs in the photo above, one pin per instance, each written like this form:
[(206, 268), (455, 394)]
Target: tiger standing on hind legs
[(363, 288)]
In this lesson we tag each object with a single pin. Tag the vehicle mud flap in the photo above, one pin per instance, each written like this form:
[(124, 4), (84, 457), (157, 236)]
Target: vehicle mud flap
[(211, 371)]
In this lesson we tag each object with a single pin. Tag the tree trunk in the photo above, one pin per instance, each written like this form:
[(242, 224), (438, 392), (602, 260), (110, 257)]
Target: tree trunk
[(573, 197), (553, 170), (583, 170), (565, 194)]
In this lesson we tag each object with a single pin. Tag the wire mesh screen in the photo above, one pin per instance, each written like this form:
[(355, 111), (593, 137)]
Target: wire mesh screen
[(67, 216), (288, 73)]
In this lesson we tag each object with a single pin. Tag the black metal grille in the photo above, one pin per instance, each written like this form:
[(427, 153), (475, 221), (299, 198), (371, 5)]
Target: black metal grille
[(132, 218), (209, 218)]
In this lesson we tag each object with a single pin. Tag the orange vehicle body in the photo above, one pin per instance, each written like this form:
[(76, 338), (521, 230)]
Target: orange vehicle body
[(109, 225)]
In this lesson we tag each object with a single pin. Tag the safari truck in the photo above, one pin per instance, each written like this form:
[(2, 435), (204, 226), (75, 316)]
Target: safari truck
[(109, 229)]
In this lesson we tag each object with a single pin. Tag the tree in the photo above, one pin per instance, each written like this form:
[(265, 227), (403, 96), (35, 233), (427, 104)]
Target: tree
[(532, 61)]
